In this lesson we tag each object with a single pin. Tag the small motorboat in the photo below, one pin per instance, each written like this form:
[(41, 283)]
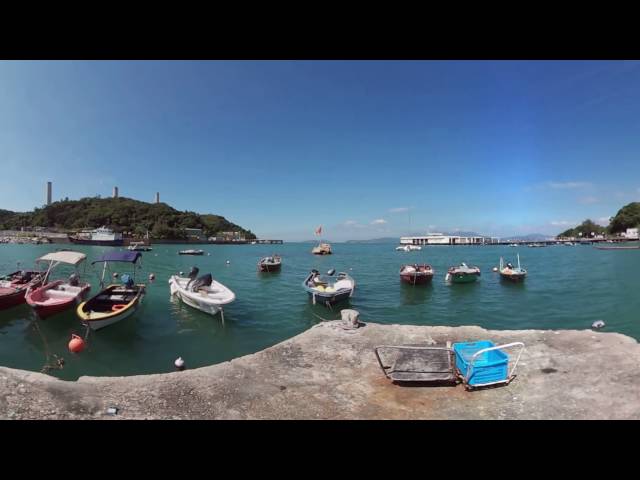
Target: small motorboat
[(191, 252), (203, 293), (327, 289), (14, 286), (270, 264), (511, 273), (416, 274), (322, 249), (139, 247), (117, 301), (462, 274), (408, 248), (55, 297)]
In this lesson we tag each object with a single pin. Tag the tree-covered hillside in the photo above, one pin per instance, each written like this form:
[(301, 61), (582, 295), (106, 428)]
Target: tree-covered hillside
[(585, 229), (122, 215), (627, 217)]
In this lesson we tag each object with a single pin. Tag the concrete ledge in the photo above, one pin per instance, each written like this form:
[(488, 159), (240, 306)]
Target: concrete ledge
[(329, 373)]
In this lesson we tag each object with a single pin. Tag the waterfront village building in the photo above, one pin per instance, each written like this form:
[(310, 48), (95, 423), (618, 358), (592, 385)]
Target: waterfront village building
[(194, 234), (227, 237), (631, 233), (441, 239)]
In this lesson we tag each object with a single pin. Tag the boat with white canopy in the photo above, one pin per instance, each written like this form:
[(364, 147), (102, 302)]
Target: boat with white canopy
[(60, 295)]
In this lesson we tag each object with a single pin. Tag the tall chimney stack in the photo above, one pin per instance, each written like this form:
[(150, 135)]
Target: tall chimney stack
[(48, 193), (157, 197), (115, 192)]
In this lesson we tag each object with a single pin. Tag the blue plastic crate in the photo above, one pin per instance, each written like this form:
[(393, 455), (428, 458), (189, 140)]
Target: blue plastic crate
[(489, 367)]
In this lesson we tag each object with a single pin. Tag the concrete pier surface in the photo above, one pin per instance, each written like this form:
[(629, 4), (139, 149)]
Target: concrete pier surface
[(328, 372)]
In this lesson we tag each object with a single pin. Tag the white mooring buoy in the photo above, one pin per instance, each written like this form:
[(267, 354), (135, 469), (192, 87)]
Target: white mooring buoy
[(495, 269), (179, 363)]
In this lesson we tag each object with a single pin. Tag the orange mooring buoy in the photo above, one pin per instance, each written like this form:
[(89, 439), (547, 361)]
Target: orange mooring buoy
[(76, 344)]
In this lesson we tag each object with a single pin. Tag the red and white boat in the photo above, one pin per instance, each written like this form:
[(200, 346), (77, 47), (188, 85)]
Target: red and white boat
[(60, 295), (14, 286), (416, 274)]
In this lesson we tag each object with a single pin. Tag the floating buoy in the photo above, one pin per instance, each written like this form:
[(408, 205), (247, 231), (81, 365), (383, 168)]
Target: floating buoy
[(179, 363), (597, 324), (152, 277), (76, 344), (495, 269), (182, 274), (228, 262)]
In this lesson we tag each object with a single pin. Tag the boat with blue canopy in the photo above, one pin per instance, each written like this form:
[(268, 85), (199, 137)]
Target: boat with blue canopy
[(117, 301)]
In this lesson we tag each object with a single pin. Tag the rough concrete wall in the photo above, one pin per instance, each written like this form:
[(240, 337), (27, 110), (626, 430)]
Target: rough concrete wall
[(330, 373)]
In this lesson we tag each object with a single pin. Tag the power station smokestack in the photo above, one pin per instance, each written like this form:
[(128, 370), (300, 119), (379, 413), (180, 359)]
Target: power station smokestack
[(48, 193), (115, 192), (157, 197)]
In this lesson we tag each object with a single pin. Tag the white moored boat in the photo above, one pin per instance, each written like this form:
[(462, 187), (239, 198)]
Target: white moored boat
[(203, 293)]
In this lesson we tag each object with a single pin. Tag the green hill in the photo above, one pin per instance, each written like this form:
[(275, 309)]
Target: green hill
[(627, 217), (122, 215), (585, 228)]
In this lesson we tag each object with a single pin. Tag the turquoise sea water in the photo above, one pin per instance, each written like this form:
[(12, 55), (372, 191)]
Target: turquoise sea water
[(567, 288)]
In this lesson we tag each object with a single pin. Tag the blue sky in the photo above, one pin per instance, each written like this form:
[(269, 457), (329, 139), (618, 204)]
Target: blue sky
[(360, 147)]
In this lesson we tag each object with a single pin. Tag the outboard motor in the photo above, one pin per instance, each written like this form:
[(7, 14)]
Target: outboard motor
[(193, 273), (203, 281), (74, 280)]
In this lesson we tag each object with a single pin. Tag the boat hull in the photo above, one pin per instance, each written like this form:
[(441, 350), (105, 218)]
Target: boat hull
[(104, 243), (269, 267), (514, 278), (203, 307), (97, 323), (8, 300), (416, 278), (325, 298), (44, 309), (462, 277)]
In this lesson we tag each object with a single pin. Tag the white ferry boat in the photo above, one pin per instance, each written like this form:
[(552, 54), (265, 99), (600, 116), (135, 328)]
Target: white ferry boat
[(100, 236)]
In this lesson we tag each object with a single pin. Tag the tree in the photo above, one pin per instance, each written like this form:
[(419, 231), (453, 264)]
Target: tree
[(627, 217)]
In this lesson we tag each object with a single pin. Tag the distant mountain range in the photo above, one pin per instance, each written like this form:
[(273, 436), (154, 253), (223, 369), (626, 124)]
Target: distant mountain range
[(376, 240), (532, 237)]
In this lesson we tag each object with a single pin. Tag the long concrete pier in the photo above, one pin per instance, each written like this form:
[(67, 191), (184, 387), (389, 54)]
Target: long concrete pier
[(331, 373)]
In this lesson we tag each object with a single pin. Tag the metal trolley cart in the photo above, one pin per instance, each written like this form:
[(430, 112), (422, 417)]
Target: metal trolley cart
[(417, 363)]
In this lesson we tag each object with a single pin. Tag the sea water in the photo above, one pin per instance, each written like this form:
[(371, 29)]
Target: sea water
[(566, 288)]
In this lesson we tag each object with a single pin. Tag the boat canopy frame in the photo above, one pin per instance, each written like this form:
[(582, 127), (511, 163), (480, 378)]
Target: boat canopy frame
[(56, 258), (118, 256)]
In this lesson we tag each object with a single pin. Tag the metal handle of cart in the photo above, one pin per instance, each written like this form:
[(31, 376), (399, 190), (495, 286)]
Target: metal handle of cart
[(404, 347), (497, 347)]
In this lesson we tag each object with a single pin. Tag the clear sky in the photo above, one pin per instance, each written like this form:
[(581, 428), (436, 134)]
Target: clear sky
[(362, 148)]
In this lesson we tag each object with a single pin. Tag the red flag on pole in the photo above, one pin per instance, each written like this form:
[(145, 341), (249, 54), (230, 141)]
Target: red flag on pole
[(319, 230)]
